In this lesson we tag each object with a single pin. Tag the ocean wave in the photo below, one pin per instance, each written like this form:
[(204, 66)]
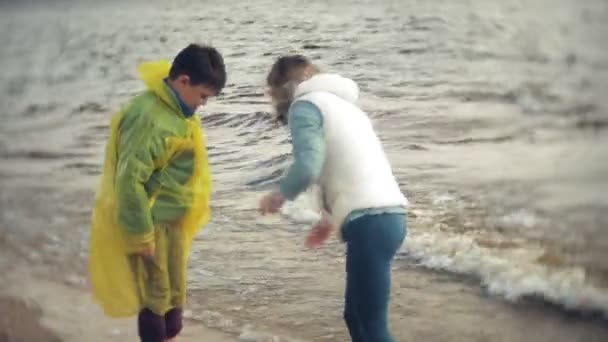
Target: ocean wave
[(42, 154), (507, 270)]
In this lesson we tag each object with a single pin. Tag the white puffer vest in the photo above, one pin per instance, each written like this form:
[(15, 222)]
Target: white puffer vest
[(356, 173)]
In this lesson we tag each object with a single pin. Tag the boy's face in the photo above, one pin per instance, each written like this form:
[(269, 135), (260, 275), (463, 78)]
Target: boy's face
[(193, 96)]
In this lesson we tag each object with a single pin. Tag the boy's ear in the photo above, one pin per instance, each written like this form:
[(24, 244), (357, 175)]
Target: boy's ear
[(183, 79)]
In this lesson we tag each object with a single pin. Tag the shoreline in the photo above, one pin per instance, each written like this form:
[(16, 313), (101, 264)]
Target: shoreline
[(64, 312), (238, 282)]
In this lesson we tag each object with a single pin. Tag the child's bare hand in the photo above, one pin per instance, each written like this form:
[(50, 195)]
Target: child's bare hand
[(147, 252), (319, 234), (271, 203)]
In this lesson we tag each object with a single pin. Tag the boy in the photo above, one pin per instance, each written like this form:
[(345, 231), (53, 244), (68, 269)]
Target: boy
[(154, 194)]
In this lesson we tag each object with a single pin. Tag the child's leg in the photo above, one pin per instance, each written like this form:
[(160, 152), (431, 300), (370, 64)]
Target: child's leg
[(372, 244), (177, 261), (350, 313), (154, 285), (173, 322), (151, 327)]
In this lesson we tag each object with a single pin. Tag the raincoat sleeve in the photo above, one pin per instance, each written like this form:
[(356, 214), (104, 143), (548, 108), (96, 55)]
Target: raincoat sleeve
[(139, 146)]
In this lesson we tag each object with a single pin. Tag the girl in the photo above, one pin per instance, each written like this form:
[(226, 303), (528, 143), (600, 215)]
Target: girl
[(335, 146)]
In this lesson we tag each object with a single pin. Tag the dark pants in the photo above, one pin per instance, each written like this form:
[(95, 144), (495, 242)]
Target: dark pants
[(371, 244), (155, 328)]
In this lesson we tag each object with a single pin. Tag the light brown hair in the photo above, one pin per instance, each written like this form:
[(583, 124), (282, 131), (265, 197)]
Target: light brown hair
[(283, 78)]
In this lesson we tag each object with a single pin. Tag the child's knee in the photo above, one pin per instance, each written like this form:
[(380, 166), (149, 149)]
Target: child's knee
[(173, 322)]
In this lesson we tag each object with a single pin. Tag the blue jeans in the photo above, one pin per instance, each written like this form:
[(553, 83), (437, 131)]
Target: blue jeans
[(371, 244)]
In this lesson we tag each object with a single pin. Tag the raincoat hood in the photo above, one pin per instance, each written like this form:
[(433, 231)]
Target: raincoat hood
[(154, 74)]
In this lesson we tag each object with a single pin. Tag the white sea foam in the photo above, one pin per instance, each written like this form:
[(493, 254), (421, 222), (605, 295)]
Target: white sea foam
[(508, 272), (512, 272)]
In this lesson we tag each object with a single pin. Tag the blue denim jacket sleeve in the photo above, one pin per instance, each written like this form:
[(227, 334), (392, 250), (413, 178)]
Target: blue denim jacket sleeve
[(308, 147)]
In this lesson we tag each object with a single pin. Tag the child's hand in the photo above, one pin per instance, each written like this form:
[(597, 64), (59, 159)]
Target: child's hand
[(319, 234), (147, 252), (271, 203)]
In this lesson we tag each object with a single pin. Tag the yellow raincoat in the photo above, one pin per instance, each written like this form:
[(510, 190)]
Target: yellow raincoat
[(154, 190)]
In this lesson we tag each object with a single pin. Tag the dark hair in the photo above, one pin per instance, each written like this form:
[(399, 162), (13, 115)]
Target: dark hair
[(203, 64)]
